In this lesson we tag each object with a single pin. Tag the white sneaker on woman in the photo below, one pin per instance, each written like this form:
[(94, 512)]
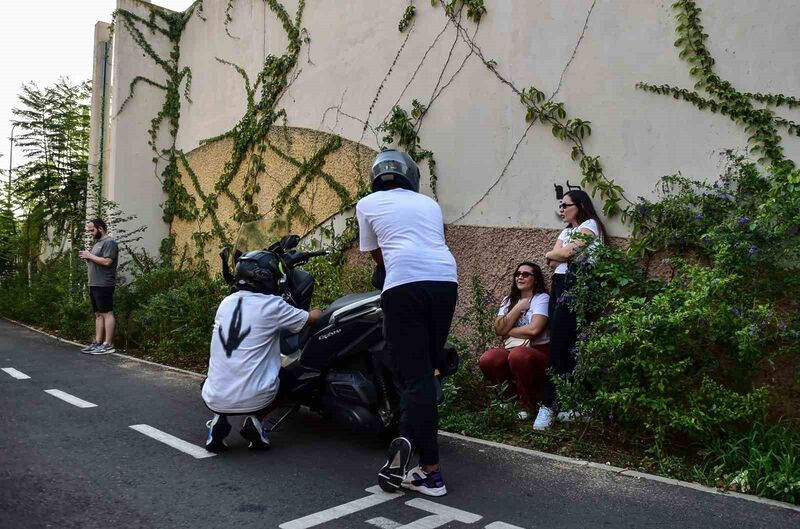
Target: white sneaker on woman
[(544, 419)]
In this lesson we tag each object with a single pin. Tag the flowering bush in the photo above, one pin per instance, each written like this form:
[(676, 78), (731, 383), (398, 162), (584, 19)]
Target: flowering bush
[(684, 359)]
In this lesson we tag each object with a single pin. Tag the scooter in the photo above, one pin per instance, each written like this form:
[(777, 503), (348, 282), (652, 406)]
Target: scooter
[(338, 366)]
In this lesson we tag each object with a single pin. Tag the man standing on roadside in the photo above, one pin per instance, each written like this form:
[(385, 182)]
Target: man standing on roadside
[(102, 263), (404, 231)]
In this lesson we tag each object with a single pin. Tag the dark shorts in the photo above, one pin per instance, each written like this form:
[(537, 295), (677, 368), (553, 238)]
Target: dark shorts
[(102, 299)]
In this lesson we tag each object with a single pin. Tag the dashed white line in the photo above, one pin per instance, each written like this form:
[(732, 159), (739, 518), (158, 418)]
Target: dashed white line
[(376, 497), (179, 444), (19, 375), (66, 397)]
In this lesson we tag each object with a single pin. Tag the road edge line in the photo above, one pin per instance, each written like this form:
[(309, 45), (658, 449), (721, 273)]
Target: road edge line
[(629, 473), (120, 355)]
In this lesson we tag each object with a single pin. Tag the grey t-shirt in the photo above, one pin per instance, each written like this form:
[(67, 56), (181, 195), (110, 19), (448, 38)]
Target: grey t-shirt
[(104, 276)]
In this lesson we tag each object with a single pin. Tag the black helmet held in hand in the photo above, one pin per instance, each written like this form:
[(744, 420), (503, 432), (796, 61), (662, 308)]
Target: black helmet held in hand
[(258, 271), (393, 168)]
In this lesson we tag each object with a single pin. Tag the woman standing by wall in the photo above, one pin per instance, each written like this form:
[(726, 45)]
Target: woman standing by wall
[(578, 212)]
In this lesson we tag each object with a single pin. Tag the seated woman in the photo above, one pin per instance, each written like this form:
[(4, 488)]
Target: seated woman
[(522, 322)]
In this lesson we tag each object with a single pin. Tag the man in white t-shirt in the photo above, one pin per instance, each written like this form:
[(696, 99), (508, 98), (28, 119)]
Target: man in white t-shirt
[(404, 231), (245, 350)]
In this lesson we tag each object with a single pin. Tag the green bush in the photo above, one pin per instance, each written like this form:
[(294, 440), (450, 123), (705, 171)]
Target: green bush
[(681, 361), (763, 461), (56, 300)]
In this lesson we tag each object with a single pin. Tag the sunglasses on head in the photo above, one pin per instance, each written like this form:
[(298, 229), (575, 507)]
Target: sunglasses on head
[(523, 274)]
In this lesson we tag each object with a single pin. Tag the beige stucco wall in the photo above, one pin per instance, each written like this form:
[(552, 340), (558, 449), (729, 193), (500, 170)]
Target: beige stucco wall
[(346, 165), (588, 54)]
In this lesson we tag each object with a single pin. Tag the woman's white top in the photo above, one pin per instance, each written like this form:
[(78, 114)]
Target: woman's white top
[(539, 305), (566, 237)]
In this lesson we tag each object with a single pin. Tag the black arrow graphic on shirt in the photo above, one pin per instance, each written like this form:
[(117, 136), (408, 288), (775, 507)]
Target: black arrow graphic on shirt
[(235, 336)]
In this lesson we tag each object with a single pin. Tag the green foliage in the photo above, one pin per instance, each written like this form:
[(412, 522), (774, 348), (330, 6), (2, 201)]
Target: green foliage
[(168, 314), (475, 8), (764, 461), (761, 123), (56, 299), (574, 131), (680, 362), (54, 135), (408, 17), (402, 128)]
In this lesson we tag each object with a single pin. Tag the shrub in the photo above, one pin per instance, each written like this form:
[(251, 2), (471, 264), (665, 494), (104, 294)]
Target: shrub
[(681, 361), (764, 461)]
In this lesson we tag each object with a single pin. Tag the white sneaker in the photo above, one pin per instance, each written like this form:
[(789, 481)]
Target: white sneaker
[(544, 419), (93, 345)]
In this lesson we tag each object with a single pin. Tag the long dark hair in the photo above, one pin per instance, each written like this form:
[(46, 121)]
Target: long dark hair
[(538, 283), (586, 210)]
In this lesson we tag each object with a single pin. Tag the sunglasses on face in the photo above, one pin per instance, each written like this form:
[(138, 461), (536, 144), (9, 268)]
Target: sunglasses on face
[(564, 205), (522, 274)]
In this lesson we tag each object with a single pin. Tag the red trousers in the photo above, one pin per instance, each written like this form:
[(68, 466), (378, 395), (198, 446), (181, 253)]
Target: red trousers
[(522, 367)]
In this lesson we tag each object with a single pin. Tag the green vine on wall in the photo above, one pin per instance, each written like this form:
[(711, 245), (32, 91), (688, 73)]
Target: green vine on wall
[(401, 128), (171, 25), (574, 131), (761, 123), (408, 17)]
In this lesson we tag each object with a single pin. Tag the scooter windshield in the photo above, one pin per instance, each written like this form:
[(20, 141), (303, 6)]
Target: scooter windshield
[(260, 233)]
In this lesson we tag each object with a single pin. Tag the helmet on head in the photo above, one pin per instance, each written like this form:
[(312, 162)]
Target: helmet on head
[(258, 271), (394, 168)]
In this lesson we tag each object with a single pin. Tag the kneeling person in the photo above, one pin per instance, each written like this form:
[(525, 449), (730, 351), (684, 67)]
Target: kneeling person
[(245, 356)]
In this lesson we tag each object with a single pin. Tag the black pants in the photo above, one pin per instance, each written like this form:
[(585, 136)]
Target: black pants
[(563, 334), (417, 318)]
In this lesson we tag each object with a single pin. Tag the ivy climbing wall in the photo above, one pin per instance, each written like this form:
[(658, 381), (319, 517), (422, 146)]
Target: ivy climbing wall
[(309, 176), (498, 101)]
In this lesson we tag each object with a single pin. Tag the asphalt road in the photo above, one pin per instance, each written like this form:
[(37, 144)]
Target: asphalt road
[(67, 466)]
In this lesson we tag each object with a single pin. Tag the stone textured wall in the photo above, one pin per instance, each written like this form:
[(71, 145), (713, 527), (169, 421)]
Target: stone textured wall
[(347, 165)]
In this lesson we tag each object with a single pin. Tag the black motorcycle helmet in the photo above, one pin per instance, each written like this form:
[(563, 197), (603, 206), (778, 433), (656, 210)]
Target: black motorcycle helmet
[(258, 271), (394, 168)]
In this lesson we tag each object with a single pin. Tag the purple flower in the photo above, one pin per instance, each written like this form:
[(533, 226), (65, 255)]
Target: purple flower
[(698, 215), (702, 322), (583, 336), (751, 250), (783, 326), (735, 311), (743, 220)]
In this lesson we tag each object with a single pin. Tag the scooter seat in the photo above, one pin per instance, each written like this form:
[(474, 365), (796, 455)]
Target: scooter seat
[(342, 302)]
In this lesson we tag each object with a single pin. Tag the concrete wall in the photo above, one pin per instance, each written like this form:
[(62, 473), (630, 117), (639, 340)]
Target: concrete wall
[(133, 180), (588, 54), (99, 144)]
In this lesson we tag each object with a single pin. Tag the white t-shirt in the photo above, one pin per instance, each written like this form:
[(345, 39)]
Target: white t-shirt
[(539, 305), (566, 237), (245, 351), (408, 227)]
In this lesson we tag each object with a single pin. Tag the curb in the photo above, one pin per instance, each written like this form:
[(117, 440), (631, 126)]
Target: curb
[(120, 355), (544, 455), (624, 472)]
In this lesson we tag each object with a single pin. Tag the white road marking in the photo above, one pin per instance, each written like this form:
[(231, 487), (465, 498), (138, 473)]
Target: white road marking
[(444, 510), (502, 525), (376, 497), (66, 397), (383, 523), (179, 444), (19, 375)]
